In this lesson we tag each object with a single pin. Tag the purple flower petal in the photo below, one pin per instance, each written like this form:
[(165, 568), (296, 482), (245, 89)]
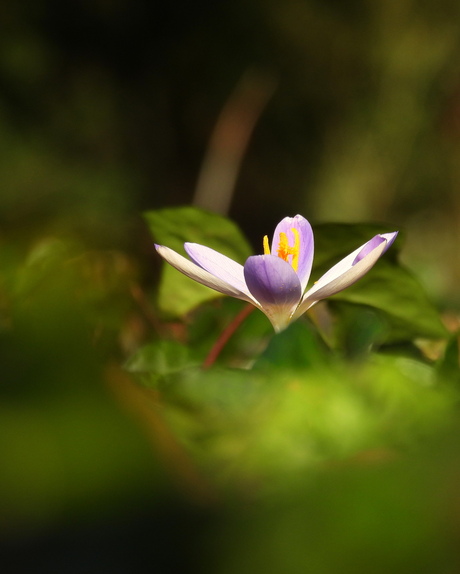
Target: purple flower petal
[(275, 285), (218, 265), (368, 247), (306, 240), (272, 280), (375, 242), (390, 238)]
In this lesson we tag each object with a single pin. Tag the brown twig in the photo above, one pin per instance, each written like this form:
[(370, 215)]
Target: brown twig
[(226, 334)]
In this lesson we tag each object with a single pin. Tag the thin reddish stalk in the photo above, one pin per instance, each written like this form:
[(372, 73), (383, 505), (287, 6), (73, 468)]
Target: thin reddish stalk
[(226, 334)]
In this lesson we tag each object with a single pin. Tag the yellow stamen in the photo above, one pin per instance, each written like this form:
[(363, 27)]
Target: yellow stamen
[(266, 246), (284, 249)]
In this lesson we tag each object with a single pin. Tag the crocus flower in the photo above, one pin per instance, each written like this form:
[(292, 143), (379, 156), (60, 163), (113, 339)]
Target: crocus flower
[(276, 282)]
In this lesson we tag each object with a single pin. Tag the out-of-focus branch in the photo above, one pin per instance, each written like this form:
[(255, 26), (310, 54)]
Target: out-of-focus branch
[(229, 141), (145, 405), (225, 336)]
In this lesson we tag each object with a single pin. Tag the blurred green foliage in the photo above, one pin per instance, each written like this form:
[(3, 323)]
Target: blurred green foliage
[(329, 448), (65, 446)]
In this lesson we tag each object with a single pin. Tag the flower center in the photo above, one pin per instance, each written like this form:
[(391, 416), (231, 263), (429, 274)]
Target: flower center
[(285, 250)]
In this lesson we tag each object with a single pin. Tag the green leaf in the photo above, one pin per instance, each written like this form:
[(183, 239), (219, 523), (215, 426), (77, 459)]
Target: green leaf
[(357, 329), (160, 358), (297, 347), (402, 301), (222, 393), (448, 366), (388, 287), (173, 227)]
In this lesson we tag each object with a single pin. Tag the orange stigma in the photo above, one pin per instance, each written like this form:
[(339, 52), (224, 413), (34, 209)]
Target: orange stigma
[(284, 249)]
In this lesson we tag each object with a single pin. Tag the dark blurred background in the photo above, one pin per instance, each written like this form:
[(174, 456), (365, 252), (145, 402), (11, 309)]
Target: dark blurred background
[(340, 110), (351, 109)]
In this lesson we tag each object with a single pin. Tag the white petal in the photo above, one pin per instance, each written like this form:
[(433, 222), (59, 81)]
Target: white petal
[(200, 275), (339, 277), (218, 265)]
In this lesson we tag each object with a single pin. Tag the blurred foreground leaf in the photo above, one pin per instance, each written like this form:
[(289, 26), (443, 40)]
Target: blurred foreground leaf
[(67, 449), (367, 515), (160, 358), (267, 425)]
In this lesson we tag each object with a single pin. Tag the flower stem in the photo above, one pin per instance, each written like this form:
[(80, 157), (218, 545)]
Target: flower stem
[(224, 337)]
